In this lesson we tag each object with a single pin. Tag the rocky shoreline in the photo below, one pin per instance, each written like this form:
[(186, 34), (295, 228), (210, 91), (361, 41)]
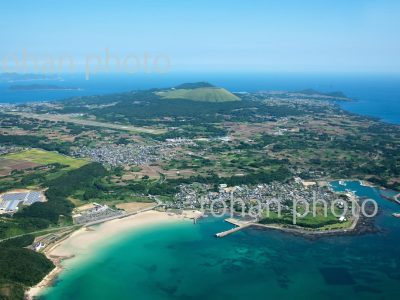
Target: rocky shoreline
[(365, 225)]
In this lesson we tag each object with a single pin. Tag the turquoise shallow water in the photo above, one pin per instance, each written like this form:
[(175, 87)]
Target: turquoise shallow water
[(186, 261)]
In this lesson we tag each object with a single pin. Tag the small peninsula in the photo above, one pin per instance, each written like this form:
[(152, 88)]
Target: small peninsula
[(42, 87)]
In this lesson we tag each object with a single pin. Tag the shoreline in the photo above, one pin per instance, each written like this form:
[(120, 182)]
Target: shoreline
[(82, 243), (49, 279), (360, 225)]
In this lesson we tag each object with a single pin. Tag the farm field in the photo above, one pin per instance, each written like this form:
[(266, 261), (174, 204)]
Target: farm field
[(41, 157), (8, 165)]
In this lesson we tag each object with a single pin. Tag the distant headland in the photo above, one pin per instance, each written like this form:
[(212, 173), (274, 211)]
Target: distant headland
[(42, 87)]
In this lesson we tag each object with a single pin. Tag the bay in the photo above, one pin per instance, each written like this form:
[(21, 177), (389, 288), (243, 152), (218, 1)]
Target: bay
[(186, 261)]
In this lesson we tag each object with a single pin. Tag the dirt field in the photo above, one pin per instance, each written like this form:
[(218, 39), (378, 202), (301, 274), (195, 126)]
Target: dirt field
[(8, 165), (134, 206), (84, 207)]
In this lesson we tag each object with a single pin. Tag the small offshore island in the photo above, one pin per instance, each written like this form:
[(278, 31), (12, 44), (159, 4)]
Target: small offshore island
[(112, 164), (42, 87)]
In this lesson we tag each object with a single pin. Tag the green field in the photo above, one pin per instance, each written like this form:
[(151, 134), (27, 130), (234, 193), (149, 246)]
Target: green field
[(206, 94), (45, 158), (317, 222)]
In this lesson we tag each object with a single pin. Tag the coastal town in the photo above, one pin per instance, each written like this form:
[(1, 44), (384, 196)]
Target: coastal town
[(275, 197), (257, 174), (269, 161), (200, 150)]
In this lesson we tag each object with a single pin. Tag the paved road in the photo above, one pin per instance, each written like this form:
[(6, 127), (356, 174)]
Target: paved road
[(74, 119), (42, 231)]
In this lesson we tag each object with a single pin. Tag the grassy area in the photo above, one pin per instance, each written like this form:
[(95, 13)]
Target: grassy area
[(112, 202), (136, 169), (319, 221), (206, 94), (45, 158)]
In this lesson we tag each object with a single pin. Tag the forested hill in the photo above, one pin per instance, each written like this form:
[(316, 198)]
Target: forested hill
[(195, 85), (20, 267), (336, 95)]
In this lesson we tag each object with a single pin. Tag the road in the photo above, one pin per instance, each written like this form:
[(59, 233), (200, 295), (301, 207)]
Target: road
[(74, 119), (159, 203), (41, 231)]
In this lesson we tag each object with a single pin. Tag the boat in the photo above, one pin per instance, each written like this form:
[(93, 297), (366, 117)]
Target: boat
[(396, 215), (342, 182)]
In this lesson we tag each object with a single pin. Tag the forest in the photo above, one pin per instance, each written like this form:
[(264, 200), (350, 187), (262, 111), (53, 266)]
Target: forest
[(20, 267)]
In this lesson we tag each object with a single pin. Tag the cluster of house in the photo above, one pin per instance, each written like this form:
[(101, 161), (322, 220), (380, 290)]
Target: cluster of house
[(282, 131), (131, 154), (7, 149), (4, 107), (274, 195)]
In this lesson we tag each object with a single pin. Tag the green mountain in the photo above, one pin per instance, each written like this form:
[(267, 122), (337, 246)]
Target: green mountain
[(194, 85), (200, 91)]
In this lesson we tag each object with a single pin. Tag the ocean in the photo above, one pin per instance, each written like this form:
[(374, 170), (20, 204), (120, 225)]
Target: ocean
[(375, 95), (185, 261)]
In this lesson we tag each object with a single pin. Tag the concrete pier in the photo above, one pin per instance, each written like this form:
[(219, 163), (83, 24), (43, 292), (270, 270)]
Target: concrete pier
[(227, 232), (235, 222), (239, 226)]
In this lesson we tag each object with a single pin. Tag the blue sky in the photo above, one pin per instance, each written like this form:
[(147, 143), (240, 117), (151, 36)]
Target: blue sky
[(235, 35)]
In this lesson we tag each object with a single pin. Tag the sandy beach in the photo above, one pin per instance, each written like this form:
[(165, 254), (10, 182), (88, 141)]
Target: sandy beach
[(81, 244)]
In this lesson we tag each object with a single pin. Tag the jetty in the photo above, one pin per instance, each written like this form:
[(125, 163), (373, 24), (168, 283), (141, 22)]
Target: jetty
[(397, 198), (239, 226)]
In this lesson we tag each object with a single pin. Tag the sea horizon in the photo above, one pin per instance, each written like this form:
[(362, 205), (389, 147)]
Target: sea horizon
[(192, 150), (373, 95)]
